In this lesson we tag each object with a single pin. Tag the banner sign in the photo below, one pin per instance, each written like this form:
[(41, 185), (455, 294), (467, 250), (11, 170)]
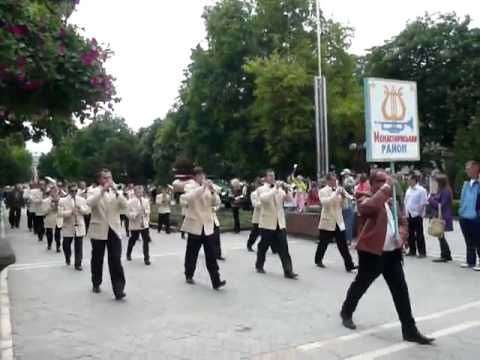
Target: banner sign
[(391, 120)]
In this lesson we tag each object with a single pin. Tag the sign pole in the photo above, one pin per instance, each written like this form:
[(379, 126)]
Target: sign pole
[(395, 204)]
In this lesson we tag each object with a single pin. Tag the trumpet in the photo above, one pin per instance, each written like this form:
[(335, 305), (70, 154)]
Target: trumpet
[(285, 186), (345, 193)]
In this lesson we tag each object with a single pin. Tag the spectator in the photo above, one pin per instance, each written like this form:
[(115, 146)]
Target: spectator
[(443, 199), (15, 203), (312, 198), (470, 214), (415, 202)]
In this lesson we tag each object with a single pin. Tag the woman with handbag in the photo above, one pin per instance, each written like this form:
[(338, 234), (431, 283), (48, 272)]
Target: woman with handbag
[(441, 202)]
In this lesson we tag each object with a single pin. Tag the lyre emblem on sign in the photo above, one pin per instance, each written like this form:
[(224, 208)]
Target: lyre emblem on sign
[(393, 107), (394, 111)]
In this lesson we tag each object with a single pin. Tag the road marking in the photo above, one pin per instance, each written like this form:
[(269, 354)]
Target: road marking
[(6, 349), (361, 334), (403, 346)]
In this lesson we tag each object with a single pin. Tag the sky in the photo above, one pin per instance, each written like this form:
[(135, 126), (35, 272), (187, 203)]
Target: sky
[(152, 41)]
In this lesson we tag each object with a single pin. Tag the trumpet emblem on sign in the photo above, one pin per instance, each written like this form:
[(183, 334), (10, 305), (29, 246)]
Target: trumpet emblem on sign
[(394, 110)]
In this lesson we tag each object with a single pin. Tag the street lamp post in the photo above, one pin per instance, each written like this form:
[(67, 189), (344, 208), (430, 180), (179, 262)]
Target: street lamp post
[(321, 107)]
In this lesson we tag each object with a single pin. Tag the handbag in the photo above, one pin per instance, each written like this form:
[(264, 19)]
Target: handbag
[(437, 225)]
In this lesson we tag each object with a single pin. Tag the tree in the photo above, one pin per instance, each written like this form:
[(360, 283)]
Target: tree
[(226, 119), (441, 53), (107, 142), (15, 161), (48, 71)]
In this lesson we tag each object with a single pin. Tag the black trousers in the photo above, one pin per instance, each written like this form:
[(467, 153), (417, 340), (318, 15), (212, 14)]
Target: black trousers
[(30, 220), (39, 226), (164, 220), (471, 233), (218, 244), (51, 234), (254, 234), (194, 243), (416, 238), (114, 246), (277, 240), (236, 219), (444, 248), (124, 220), (325, 238), (14, 217), (78, 248), (389, 264), (135, 234), (87, 221)]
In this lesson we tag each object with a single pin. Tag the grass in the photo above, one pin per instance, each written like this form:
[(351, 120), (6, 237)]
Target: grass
[(225, 217)]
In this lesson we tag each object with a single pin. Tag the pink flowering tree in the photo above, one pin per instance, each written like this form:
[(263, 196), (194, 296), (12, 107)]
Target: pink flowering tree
[(49, 73)]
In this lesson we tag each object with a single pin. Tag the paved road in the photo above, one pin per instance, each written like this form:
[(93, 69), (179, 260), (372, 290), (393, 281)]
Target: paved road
[(55, 316)]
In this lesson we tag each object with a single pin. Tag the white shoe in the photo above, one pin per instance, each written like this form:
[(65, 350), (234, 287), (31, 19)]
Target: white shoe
[(476, 268), (465, 266)]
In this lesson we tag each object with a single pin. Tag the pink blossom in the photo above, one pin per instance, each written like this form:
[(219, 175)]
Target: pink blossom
[(32, 85), (62, 32), (61, 50), (90, 57), (21, 62), (17, 30)]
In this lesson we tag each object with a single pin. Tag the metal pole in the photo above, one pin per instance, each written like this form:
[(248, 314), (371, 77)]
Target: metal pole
[(319, 40), (318, 128), (395, 206), (325, 124)]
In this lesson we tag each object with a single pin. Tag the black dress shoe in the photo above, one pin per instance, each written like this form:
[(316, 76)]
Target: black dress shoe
[(58, 250), (49, 248), (441, 260), (348, 322), (120, 296), (249, 248), (67, 262), (147, 262), (78, 267), (260, 271), (320, 265), (355, 267), (291, 275), (190, 281), (415, 336), (96, 290), (410, 254), (422, 256), (220, 285), (221, 258)]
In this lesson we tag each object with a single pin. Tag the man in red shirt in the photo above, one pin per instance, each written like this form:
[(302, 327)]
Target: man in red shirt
[(379, 252)]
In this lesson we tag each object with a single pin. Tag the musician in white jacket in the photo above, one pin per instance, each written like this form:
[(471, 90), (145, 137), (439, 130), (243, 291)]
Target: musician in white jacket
[(53, 223), (73, 208), (200, 196), (139, 216), (104, 232), (256, 204), (332, 225), (162, 201), (273, 225), (37, 208)]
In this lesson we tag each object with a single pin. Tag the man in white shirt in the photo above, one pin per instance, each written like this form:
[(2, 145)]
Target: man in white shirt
[(36, 207), (139, 216), (72, 209), (104, 232), (415, 201), (200, 197), (331, 223), (272, 224)]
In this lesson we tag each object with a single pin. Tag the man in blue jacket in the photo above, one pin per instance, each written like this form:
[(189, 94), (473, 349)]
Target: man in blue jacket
[(470, 214)]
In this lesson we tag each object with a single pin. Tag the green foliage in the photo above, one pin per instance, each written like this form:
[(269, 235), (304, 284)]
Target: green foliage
[(467, 143), (15, 161), (247, 100), (442, 54), (107, 142), (48, 71)]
